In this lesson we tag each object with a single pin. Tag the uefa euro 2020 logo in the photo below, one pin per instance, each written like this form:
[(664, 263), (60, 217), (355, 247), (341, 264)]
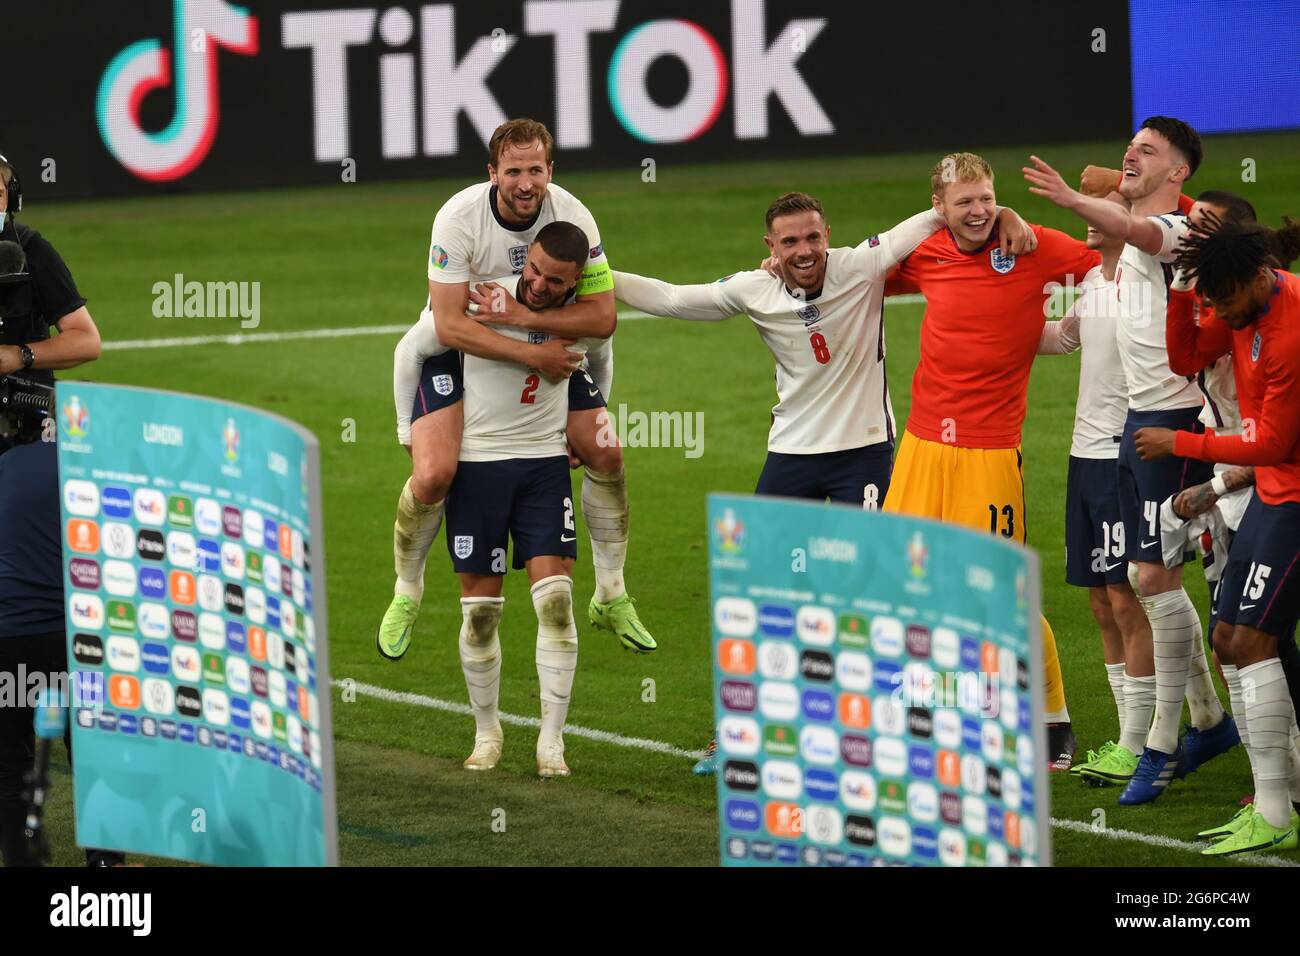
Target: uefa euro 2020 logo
[(230, 435), (202, 26), (76, 418), (917, 555), (730, 531)]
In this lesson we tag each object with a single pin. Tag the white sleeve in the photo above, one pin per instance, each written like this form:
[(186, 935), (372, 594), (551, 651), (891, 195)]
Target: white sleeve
[(1173, 229), (878, 254), (419, 343), (450, 249), (600, 364), (707, 302), (584, 220), (1061, 337)]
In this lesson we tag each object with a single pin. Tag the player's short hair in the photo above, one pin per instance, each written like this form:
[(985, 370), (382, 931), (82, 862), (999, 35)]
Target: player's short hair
[(1224, 260), (1237, 207), (788, 204), (959, 168), (519, 132), (1181, 137), (564, 241)]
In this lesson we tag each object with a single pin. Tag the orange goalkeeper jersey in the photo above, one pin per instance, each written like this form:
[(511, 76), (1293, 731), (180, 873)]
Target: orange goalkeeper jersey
[(983, 319)]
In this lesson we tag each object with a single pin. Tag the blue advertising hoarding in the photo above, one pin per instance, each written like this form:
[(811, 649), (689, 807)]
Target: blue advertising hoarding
[(877, 688), (196, 630)]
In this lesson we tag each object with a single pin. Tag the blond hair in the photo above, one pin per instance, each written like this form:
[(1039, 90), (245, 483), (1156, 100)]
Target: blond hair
[(959, 168)]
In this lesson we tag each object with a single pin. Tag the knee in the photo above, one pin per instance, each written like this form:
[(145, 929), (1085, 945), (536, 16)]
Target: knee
[(483, 620), (1099, 601), (431, 480), (1154, 579), (608, 461)]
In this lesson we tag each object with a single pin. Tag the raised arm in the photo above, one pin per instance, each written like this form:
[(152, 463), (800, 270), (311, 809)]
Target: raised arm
[(1110, 219), (707, 302)]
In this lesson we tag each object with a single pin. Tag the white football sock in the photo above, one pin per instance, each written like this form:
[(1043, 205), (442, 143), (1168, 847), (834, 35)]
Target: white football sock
[(1139, 704), (605, 508), (1293, 763), (1233, 680), (1173, 623), (480, 658), (1268, 706), (1203, 702), (1115, 677), (413, 533), (557, 650)]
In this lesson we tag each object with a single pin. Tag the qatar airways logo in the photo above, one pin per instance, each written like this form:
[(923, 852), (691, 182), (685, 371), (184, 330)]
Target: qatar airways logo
[(427, 77), (202, 28)]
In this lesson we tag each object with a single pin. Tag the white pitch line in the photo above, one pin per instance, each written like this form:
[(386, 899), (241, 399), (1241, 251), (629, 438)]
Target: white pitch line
[(1166, 843), (256, 338), (574, 730), (658, 746)]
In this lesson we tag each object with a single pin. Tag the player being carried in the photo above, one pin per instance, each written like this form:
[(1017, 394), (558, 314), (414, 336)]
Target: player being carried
[(513, 482), (482, 233), (1162, 155), (959, 459)]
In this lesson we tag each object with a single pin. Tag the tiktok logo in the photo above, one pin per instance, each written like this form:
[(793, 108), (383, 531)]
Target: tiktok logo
[(201, 27)]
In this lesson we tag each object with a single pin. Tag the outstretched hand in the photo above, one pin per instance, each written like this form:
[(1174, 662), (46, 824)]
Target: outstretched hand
[(1047, 182)]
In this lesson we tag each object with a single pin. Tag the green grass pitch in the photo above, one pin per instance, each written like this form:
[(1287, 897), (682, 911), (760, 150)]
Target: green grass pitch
[(353, 255)]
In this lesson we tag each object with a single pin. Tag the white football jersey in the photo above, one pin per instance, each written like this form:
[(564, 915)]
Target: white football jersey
[(1219, 386), (512, 411), (1102, 407), (1143, 284), (470, 242), (829, 349)]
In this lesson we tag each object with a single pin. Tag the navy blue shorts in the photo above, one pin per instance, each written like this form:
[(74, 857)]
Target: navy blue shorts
[(855, 476), (441, 384), (1261, 581), (1144, 485), (1217, 590), (1095, 544), (583, 393), (529, 500)]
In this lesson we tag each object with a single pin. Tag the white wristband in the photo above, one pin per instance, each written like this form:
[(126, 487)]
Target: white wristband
[(1219, 486)]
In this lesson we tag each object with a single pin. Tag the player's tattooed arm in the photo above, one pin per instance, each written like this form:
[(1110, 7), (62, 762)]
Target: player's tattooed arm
[(1201, 498), (1110, 219)]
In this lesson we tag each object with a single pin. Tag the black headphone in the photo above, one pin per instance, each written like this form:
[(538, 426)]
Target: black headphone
[(14, 187)]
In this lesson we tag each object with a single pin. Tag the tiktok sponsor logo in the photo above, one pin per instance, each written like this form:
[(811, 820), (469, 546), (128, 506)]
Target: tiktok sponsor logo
[(202, 28)]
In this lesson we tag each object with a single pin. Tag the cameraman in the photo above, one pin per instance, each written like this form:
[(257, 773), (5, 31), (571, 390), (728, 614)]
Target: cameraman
[(36, 291), (47, 297)]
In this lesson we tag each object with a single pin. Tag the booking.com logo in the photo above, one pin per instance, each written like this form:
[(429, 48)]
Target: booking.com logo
[(202, 26)]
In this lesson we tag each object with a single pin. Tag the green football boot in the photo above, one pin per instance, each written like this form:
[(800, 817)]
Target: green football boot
[(1256, 836), (1093, 757), (1117, 766), (393, 639), (619, 617), (1239, 820)]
